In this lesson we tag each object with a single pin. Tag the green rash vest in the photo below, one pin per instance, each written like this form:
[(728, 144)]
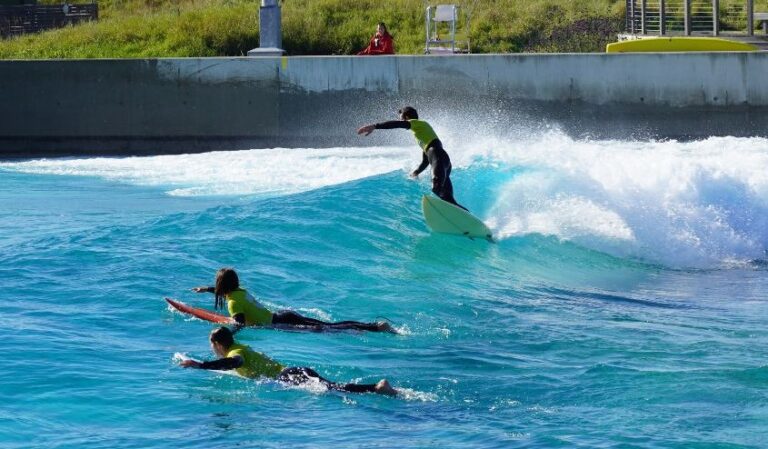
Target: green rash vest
[(240, 301), (254, 364), (423, 133)]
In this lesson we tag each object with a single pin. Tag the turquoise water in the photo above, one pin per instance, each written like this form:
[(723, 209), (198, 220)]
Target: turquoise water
[(624, 305)]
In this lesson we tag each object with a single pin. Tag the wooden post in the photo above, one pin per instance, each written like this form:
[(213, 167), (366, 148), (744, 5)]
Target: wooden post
[(662, 18), (715, 17), (687, 17), (750, 18)]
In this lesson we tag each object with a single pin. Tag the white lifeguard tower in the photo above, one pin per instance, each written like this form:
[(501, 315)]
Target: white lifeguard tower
[(446, 32)]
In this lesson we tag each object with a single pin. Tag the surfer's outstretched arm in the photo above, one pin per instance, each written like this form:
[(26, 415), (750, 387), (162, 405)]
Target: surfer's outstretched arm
[(204, 289), (393, 124), (367, 129), (226, 363)]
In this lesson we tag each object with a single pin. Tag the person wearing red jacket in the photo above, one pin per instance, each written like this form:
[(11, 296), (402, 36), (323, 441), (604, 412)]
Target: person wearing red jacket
[(381, 43)]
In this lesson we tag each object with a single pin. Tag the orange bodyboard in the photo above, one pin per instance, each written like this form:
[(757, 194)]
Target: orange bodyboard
[(203, 314)]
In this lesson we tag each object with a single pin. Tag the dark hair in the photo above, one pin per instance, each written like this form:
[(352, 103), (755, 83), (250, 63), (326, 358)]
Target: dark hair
[(223, 336), (382, 24), (226, 282), (409, 112)]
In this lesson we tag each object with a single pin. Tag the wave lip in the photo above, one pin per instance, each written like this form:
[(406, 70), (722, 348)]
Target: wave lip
[(697, 204)]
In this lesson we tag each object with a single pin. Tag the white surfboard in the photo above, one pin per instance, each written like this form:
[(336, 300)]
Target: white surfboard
[(446, 218)]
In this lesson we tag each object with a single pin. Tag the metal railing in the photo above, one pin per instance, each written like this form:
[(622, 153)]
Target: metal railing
[(690, 17)]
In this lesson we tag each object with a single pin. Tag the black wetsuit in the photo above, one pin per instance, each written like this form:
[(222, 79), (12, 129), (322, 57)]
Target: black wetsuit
[(288, 317), (291, 318), (299, 375), (294, 375), (433, 155)]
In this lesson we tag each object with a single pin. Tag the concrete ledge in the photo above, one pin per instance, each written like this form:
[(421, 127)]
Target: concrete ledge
[(200, 104)]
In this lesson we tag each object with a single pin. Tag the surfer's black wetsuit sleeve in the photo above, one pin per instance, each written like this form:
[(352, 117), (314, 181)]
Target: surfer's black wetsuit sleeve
[(239, 323), (222, 364), (424, 164), (394, 124)]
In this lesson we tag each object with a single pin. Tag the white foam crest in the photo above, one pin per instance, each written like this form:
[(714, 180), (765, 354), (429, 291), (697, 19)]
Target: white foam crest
[(402, 329), (692, 204), (410, 394), (263, 171), (312, 311), (311, 385)]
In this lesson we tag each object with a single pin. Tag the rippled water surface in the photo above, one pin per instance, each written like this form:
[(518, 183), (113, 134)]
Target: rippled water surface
[(624, 305)]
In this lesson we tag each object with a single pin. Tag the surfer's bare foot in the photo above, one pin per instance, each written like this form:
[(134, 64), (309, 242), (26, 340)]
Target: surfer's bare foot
[(383, 387), (383, 326)]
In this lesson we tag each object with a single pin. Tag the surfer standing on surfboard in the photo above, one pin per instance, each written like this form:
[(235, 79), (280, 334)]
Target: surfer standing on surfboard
[(246, 311), (432, 151), (249, 363)]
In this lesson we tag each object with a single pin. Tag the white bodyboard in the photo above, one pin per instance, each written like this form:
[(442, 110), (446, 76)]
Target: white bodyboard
[(446, 218)]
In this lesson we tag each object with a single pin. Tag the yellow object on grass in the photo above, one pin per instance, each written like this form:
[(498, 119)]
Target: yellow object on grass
[(677, 44)]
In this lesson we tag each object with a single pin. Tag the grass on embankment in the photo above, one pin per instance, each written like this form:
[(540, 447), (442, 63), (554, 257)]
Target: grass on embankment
[(189, 28)]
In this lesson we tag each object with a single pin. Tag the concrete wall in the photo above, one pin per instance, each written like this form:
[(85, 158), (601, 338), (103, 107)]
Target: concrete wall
[(184, 105)]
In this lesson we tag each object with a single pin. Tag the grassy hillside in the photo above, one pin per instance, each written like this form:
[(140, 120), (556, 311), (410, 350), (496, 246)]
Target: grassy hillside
[(179, 28)]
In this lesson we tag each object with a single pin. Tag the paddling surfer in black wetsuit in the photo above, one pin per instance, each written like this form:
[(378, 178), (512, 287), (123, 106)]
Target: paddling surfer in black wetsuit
[(248, 363), (247, 311), (433, 152)]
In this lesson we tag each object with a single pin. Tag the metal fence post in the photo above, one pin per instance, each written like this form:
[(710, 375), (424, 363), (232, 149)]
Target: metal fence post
[(270, 30), (750, 17), (643, 10), (662, 18), (715, 17), (687, 17)]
